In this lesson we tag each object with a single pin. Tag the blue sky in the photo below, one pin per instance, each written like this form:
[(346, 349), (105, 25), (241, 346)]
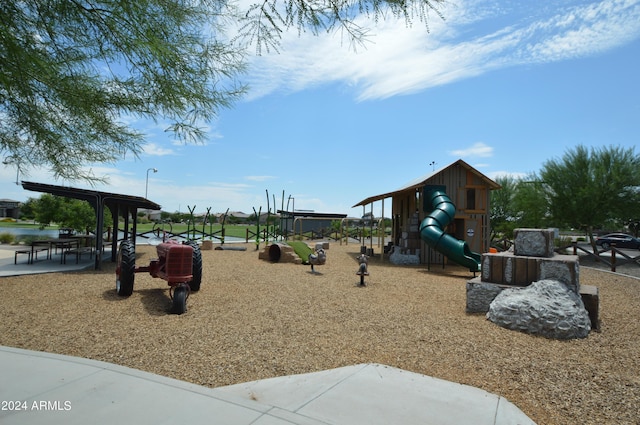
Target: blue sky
[(503, 85)]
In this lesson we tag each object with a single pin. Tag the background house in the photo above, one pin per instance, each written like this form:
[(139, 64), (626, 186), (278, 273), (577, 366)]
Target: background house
[(299, 222), (9, 208), (467, 188)]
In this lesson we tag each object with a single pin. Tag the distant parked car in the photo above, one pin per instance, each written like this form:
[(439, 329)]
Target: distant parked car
[(621, 240)]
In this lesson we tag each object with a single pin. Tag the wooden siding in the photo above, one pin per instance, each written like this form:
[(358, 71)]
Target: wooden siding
[(470, 195)]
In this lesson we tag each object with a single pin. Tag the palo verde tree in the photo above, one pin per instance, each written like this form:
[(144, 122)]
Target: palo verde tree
[(520, 202), (502, 214), (531, 203), (76, 73), (589, 188)]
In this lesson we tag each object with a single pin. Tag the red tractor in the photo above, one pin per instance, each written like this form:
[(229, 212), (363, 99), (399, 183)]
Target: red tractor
[(180, 264)]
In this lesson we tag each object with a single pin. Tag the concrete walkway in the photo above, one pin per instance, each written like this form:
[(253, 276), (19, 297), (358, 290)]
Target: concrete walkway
[(10, 265), (42, 388)]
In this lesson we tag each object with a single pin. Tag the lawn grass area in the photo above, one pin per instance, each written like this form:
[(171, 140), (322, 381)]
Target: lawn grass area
[(231, 230)]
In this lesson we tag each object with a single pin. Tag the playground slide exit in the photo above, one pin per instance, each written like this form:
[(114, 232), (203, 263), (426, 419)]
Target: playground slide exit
[(432, 231)]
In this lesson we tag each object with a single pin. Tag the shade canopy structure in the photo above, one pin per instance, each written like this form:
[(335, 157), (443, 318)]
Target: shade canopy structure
[(125, 206)]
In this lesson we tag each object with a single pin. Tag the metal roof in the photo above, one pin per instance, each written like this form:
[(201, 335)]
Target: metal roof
[(310, 214), (421, 181), (92, 195)]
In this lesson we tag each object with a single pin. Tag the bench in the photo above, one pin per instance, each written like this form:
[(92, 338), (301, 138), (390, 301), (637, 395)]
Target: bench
[(22, 251), (78, 253), (36, 251)]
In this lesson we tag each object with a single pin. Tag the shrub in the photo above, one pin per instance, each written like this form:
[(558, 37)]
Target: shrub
[(564, 242), (7, 238)]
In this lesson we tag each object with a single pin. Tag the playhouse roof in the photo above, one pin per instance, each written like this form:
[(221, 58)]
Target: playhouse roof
[(421, 181)]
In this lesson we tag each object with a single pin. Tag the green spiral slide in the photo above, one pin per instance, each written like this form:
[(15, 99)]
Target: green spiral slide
[(432, 231)]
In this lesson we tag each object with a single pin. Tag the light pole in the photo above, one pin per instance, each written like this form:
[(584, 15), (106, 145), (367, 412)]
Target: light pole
[(13, 160), (146, 188)]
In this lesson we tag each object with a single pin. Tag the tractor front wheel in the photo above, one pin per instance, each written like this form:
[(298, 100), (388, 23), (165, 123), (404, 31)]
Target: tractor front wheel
[(180, 295), (126, 268)]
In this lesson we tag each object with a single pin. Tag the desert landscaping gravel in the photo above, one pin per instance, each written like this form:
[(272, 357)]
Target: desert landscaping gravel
[(253, 319)]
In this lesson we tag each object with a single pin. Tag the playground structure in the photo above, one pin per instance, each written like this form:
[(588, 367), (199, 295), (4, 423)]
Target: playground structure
[(362, 268), (467, 217), (180, 264), (317, 259), (279, 252), (432, 231)]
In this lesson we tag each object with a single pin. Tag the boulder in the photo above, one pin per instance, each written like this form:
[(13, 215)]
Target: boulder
[(546, 307)]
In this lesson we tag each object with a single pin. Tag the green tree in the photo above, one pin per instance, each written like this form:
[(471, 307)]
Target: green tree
[(530, 203), (588, 188), (47, 209), (78, 215), (67, 212), (502, 214), (264, 22), (75, 71), (27, 211)]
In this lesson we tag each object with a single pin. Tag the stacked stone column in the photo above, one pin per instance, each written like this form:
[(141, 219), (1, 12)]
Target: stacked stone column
[(533, 259)]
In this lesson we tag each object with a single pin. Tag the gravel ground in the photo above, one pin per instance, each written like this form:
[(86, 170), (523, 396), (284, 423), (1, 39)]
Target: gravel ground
[(254, 319)]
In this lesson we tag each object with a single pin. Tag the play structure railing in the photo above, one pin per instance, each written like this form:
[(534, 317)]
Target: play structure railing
[(191, 234), (362, 233), (266, 235), (616, 259), (502, 244)]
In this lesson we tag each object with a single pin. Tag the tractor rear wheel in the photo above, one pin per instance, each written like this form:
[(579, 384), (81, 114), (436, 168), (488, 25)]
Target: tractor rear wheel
[(180, 294), (126, 268), (196, 266)]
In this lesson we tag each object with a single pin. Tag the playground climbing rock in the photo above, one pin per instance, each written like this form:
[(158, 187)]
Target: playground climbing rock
[(547, 308), (279, 252)]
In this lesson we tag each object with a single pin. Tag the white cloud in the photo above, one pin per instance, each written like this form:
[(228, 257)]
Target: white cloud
[(259, 178), (476, 150), (153, 149), (493, 175), (403, 60)]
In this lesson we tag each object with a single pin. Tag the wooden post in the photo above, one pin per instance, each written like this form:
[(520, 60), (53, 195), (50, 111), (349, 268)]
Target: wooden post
[(613, 257)]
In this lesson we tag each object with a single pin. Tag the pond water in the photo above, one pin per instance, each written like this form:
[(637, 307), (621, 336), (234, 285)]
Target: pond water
[(23, 233)]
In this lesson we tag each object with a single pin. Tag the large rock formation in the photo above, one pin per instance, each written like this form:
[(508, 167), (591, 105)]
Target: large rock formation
[(510, 291), (547, 308)]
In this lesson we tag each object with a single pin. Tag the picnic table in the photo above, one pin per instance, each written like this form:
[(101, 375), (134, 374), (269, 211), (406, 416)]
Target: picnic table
[(68, 245), (65, 245)]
